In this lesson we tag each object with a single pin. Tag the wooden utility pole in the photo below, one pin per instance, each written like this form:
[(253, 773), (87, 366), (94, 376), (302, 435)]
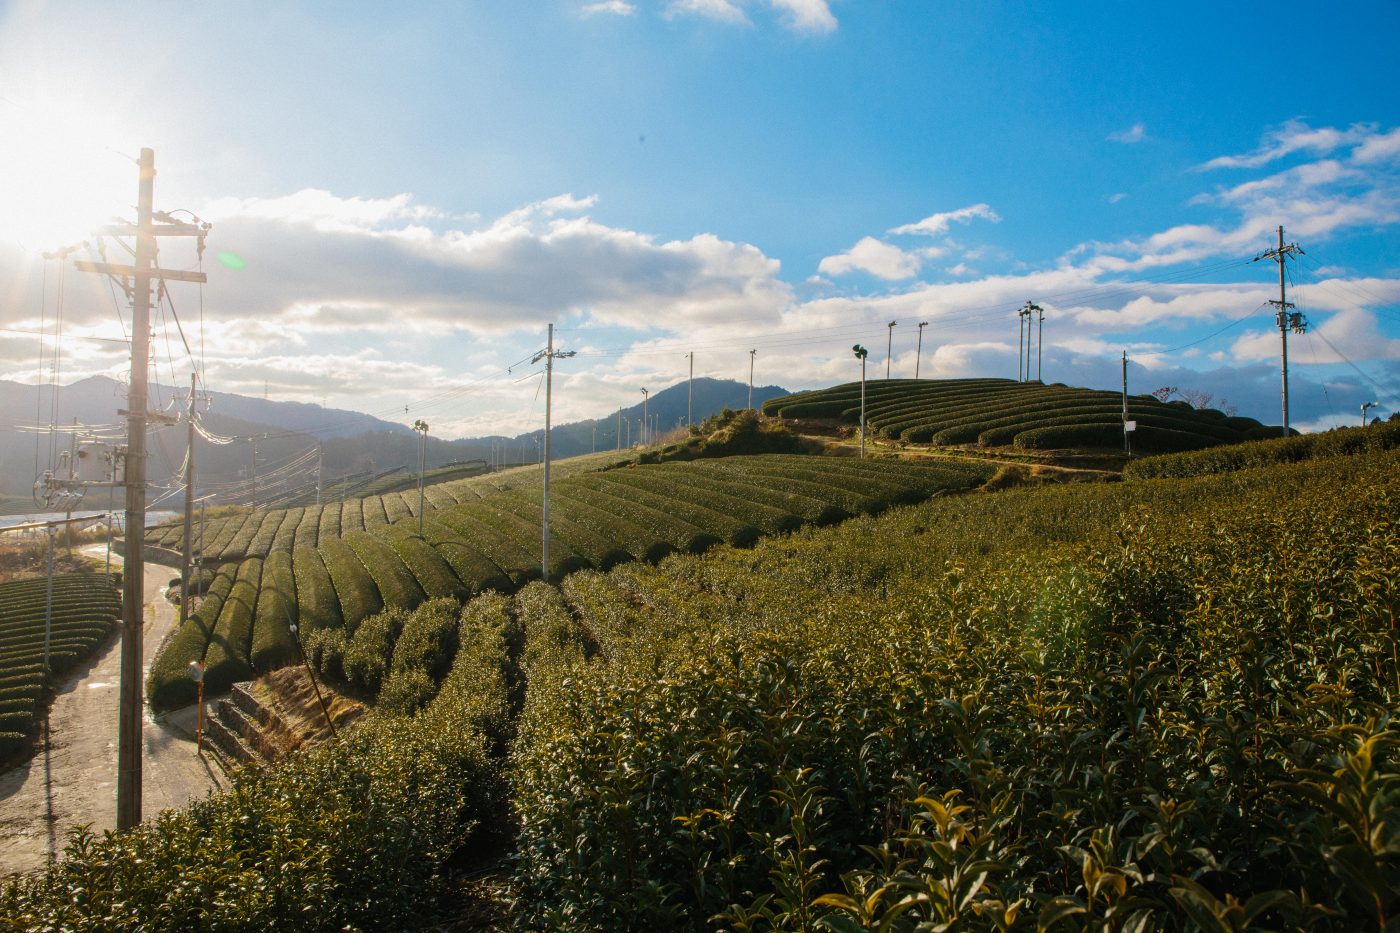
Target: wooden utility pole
[(136, 280), (1287, 320), (187, 552), (919, 353)]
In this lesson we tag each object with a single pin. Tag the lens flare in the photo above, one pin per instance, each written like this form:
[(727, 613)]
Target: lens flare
[(232, 261)]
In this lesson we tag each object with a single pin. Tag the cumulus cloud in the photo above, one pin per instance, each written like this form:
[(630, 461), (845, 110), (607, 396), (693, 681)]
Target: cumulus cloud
[(351, 264), (1133, 134), (936, 224), (613, 7), (871, 255)]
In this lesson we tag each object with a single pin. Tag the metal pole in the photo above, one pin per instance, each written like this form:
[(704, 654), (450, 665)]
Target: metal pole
[(1020, 341), (862, 407), (619, 429), (253, 469), (751, 356), (320, 463), (186, 551), (690, 390), (646, 396), (919, 353), (1039, 341), (133, 576), (48, 605), (1283, 326), (422, 455), (548, 395), (1127, 436), (889, 347)]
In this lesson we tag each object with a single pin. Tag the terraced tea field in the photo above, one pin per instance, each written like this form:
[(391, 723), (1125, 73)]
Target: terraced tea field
[(86, 607), (1000, 412), (492, 541), (260, 532), (1155, 704)]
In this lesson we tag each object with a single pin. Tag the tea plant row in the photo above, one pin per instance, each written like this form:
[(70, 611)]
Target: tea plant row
[(259, 532), (998, 412), (598, 520), (86, 606), (1164, 705)]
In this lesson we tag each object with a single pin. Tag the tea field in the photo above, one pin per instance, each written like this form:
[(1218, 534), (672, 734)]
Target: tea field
[(1156, 704), (492, 541), (259, 532), (86, 607), (1028, 415)]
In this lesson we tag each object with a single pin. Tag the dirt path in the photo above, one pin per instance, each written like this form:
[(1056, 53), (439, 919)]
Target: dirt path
[(71, 780)]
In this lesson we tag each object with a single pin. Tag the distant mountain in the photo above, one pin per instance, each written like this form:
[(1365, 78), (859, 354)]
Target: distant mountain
[(353, 444)]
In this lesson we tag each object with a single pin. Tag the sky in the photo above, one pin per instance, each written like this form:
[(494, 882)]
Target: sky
[(403, 197)]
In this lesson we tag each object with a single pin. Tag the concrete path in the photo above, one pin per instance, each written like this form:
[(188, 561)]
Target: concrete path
[(72, 778)]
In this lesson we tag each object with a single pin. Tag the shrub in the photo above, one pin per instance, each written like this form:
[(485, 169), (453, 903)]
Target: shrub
[(273, 643), (368, 652), (355, 835)]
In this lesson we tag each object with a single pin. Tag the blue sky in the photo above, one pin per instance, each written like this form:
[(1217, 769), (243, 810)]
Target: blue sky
[(415, 191)]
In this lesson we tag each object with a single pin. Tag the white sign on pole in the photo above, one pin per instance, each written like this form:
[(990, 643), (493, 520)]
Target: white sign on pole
[(1129, 425)]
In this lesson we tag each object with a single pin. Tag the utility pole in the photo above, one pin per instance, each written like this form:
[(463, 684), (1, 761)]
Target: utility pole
[(919, 353), (889, 347), (643, 432), (619, 428), (1287, 320), (861, 353), (1028, 310), (421, 427), (1039, 340), (187, 550), (1020, 343), (140, 274), (690, 390), (320, 464), (253, 469), (751, 356), (1364, 407), (549, 356), (1127, 435)]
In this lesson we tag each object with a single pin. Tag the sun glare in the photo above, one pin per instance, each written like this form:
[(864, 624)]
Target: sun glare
[(60, 177)]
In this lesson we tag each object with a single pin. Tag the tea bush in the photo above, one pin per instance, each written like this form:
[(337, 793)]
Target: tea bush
[(1158, 705), (355, 835)]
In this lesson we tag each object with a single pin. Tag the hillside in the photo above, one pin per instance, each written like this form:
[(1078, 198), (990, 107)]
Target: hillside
[(1025, 415), (1142, 704), (356, 449), (491, 539)]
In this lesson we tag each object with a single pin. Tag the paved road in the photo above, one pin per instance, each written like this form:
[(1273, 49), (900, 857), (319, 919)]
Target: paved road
[(72, 779)]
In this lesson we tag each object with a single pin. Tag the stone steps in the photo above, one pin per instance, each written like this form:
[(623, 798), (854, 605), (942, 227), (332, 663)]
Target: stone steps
[(241, 731)]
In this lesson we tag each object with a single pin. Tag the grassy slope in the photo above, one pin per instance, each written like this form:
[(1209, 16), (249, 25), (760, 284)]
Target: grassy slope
[(1078, 705)]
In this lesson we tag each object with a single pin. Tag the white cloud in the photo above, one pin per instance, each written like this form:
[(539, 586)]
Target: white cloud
[(871, 255), (1133, 134), (722, 11), (1381, 148), (935, 224), (806, 15), (613, 7), (1115, 198), (1293, 136)]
